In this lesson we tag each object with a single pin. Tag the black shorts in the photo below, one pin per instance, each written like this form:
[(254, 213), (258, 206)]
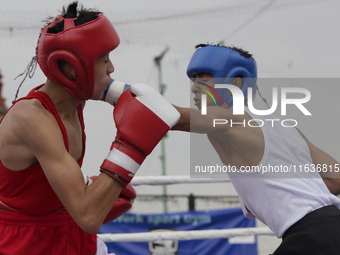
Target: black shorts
[(317, 233)]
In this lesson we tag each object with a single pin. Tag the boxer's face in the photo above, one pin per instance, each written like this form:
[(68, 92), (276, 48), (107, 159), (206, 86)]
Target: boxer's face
[(103, 68), (199, 88)]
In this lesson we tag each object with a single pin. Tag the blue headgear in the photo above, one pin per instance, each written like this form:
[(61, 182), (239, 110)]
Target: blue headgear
[(224, 64)]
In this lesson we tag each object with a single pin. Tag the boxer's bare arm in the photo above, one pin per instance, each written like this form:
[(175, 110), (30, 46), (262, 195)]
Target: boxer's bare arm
[(37, 133), (184, 122), (227, 139), (217, 119), (321, 159), (331, 177)]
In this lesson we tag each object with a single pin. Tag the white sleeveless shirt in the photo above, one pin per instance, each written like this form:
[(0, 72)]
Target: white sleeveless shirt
[(279, 198)]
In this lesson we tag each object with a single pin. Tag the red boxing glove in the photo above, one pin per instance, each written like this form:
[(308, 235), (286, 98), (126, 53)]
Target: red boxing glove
[(142, 118), (123, 203)]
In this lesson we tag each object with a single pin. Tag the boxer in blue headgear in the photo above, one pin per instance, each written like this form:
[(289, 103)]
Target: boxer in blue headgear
[(224, 64), (253, 151)]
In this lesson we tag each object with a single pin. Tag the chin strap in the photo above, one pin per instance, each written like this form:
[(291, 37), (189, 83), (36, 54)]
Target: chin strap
[(263, 99), (30, 70)]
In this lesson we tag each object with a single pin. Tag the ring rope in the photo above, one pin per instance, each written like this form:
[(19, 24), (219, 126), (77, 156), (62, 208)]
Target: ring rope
[(167, 180), (181, 235), (185, 235)]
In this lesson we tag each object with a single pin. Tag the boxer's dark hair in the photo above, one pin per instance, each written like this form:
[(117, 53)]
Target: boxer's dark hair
[(80, 16), (243, 53)]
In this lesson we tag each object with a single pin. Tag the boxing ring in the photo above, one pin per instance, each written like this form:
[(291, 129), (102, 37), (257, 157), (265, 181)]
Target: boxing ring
[(182, 235)]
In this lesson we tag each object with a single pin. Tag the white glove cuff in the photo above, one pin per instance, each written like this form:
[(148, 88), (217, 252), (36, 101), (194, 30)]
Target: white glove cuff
[(116, 88)]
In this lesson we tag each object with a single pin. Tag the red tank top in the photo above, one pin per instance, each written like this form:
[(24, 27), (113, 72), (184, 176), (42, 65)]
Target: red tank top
[(39, 226), (28, 191)]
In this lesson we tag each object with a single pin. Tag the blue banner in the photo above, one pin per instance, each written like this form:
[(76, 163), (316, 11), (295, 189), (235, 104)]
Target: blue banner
[(193, 220)]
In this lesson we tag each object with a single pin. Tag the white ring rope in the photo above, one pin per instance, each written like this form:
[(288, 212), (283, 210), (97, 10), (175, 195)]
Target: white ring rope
[(166, 180), (181, 235), (184, 235)]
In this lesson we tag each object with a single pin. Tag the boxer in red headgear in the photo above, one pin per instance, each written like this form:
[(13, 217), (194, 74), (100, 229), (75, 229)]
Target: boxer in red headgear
[(80, 45), (46, 206)]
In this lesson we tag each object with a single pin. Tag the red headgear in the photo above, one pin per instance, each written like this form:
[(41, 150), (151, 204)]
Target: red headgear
[(80, 46)]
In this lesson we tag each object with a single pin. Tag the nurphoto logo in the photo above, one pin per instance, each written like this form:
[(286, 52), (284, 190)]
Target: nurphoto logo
[(238, 104)]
